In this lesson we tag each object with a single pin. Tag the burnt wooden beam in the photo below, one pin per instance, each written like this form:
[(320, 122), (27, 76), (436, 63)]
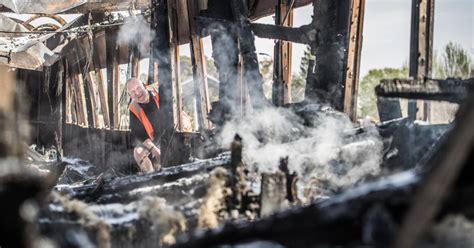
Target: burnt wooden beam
[(164, 54), (339, 220), (421, 50), (61, 94), (8, 145), (225, 53), (249, 57), (351, 88), (20, 189), (326, 84), (86, 66), (451, 90), (302, 35), (112, 76), (273, 193), (173, 10), (69, 101), (161, 53), (99, 58), (78, 88), (281, 90), (108, 189), (242, 96), (445, 166), (388, 109), (198, 60)]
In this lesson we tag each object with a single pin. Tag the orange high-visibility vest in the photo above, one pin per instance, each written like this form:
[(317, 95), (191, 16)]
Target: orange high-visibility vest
[(137, 110)]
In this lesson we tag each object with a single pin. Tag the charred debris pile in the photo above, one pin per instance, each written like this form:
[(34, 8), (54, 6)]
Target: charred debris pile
[(253, 172), (233, 199)]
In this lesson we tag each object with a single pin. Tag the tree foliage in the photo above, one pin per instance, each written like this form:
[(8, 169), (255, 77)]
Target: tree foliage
[(367, 100), (454, 62), (299, 79)]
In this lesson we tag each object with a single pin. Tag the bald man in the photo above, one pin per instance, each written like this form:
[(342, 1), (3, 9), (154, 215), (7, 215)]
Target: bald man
[(144, 108)]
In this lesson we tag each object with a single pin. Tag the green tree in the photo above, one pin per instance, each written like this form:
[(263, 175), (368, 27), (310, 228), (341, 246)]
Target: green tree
[(266, 69), (187, 70), (453, 62), (298, 80), (367, 100)]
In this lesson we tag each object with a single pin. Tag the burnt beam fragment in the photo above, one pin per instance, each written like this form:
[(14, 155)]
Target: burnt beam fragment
[(421, 50), (331, 21), (442, 172), (249, 57), (301, 35), (115, 187), (338, 220), (371, 213), (225, 53), (451, 90)]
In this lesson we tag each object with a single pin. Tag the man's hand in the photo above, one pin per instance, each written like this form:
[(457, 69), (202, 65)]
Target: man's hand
[(152, 148), (148, 144)]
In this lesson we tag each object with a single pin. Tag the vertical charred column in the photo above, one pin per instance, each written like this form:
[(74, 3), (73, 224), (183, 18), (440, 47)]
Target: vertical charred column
[(225, 52), (249, 57), (421, 49), (161, 54), (331, 22), (20, 189), (281, 91)]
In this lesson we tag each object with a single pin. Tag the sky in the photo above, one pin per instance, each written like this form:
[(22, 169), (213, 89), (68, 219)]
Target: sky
[(386, 36)]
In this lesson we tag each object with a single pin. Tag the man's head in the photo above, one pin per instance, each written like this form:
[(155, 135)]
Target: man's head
[(136, 90)]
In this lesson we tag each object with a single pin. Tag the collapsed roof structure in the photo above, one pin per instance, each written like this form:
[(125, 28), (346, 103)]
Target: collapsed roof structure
[(308, 178)]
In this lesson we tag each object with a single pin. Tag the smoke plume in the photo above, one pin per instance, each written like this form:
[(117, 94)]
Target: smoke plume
[(136, 32)]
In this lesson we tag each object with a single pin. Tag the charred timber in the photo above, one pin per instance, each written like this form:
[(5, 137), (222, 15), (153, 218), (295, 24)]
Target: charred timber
[(339, 220), (451, 90), (326, 82), (249, 57), (301, 35), (97, 190), (371, 213)]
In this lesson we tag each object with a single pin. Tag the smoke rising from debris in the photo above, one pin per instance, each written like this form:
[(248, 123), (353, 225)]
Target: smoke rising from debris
[(324, 152), (136, 32)]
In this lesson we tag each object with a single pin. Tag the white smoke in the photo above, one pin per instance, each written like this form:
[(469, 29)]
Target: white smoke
[(324, 152), (136, 32)]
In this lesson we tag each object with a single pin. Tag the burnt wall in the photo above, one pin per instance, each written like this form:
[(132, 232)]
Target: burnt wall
[(104, 148)]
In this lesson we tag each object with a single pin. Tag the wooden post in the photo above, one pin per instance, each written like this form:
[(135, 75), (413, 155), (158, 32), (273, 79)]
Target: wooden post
[(69, 111), (9, 146), (78, 87), (61, 95), (198, 60), (162, 54), (242, 90), (86, 48), (112, 77), (225, 53), (421, 50), (249, 57), (326, 84), (281, 92), (353, 59), (99, 59), (175, 71)]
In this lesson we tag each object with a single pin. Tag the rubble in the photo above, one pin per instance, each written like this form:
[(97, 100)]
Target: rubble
[(252, 171)]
